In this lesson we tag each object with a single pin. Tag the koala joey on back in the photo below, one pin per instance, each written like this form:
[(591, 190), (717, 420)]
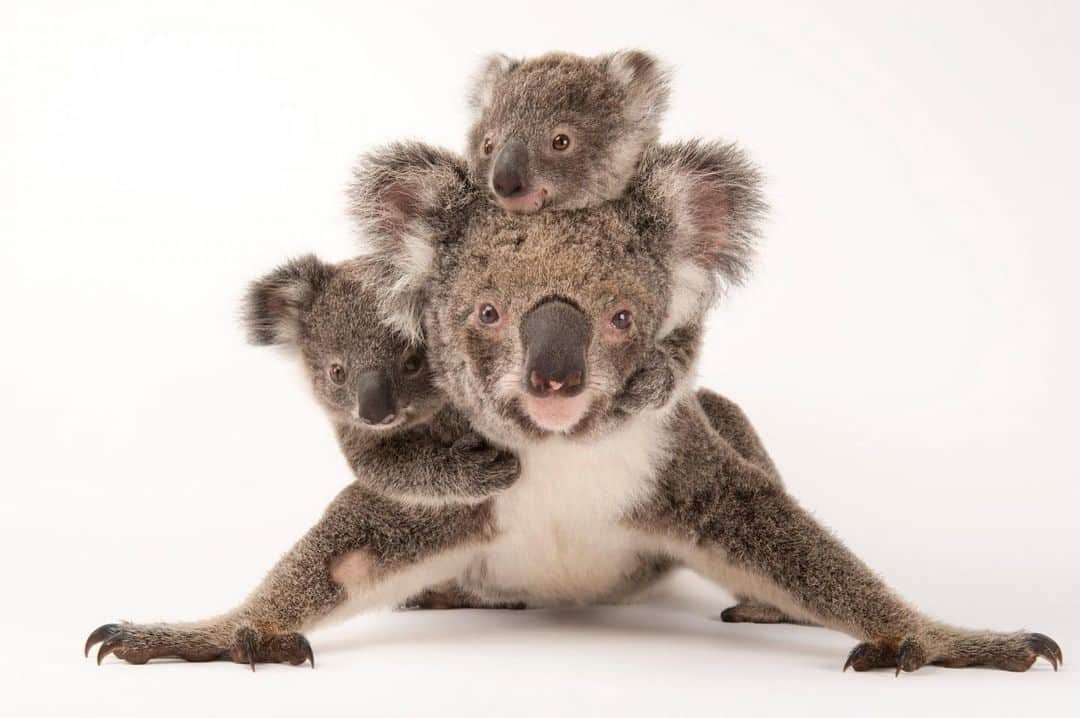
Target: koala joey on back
[(562, 131), (602, 499), (395, 427)]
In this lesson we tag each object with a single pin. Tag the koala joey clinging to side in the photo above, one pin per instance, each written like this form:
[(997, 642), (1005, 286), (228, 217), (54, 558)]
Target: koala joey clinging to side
[(395, 427), (562, 131)]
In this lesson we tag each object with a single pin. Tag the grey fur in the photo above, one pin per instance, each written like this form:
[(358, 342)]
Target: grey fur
[(701, 501), (609, 106), (329, 314)]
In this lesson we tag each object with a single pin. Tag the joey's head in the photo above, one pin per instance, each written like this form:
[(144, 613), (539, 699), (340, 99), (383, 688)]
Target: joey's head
[(563, 131), (363, 373), (535, 323)]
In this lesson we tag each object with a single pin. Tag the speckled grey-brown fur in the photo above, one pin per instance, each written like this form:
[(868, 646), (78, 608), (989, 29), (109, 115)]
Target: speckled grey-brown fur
[(328, 313), (609, 106), (708, 504)]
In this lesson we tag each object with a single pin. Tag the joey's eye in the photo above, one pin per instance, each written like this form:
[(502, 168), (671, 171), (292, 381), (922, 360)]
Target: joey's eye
[(413, 363), (560, 142), (622, 319), (488, 314), (337, 373), (489, 146)]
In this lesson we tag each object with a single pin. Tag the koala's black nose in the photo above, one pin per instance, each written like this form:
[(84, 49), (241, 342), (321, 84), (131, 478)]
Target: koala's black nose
[(375, 395), (511, 170), (556, 336)]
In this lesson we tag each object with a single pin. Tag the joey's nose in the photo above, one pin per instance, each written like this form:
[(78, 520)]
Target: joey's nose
[(375, 398), (509, 176), (556, 335)]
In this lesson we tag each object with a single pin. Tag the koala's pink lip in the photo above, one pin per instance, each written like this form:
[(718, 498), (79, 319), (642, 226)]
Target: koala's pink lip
[(527, 203), (557, 413)]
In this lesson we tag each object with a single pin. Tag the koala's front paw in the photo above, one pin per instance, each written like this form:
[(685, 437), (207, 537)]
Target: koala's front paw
[(489, 467), (138, 643), (1004, 651), (649, 387)]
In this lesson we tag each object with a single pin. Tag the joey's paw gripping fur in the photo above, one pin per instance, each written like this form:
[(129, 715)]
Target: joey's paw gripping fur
[(650, 387), (492, 467)]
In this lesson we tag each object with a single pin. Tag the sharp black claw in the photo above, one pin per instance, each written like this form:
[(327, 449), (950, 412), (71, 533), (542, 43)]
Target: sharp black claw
[(111, 644), (100, 634), (246, 639), (307, 650), (847, 664), (1046, 647)]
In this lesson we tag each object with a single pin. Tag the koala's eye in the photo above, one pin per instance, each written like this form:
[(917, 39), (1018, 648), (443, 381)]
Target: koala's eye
[(337, 373), (560, 142), (488, 314), (413, 363), (489, 146), (622, 319)]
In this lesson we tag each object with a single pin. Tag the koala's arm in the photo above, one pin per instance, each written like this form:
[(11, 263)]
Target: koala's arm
[(444, 459), (356, 552), (729, 520), (669, 364)]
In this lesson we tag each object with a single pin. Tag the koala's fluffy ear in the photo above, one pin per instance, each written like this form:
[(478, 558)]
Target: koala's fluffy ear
[(711, 193), (708, 195), (492, 69), (406, 198), (647, 86), (275, 304)]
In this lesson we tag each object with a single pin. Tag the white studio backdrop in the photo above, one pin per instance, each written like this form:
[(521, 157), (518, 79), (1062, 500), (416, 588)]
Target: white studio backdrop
[(907, 346)]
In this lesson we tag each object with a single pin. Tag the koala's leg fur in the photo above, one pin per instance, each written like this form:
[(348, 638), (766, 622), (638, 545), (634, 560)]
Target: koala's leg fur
[(366, 551), (451, 595), (729, 420), (730, 521)]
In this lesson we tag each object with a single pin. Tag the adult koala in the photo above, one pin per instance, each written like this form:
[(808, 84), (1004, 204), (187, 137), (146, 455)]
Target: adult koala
[(534, 323)]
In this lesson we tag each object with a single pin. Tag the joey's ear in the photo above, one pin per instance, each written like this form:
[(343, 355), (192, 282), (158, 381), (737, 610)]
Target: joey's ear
[(407, 198), (647, 86), (481, 88), (275, 304)]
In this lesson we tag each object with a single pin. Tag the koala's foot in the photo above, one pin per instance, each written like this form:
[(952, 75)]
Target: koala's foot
[(1004, 651), (138, 643), (756, 612), (454, 598)]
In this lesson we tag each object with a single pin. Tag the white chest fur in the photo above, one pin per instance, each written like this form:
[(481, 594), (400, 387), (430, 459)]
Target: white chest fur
[(561, 541)]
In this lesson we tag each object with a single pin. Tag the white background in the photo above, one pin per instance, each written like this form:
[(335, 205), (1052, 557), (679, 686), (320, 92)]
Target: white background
[(908, 346)]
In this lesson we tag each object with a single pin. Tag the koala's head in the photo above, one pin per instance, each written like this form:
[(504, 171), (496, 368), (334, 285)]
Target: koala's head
[(560, 130), (535, 323), (362, 372)]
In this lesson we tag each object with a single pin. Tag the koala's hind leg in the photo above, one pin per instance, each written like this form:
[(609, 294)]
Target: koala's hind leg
[(366, 551), (728, 419), (730, 521), (451, 595), (750, 610)]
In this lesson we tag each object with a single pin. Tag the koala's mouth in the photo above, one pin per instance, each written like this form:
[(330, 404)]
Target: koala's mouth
[(402, 418), (526, 202), (557, 414)]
